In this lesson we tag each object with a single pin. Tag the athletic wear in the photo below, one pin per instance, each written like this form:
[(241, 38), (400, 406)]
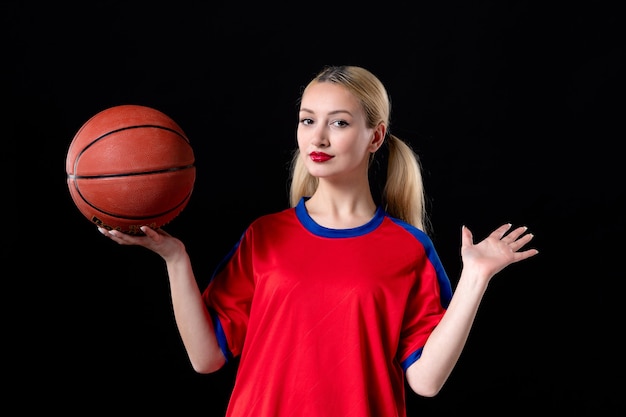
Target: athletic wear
[(325, 321)]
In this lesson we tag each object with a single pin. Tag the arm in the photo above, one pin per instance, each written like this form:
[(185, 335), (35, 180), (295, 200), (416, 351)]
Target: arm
[(191, 314), (480, 263)]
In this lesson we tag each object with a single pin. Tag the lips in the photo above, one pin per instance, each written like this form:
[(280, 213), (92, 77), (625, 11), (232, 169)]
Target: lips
[(319, 156)]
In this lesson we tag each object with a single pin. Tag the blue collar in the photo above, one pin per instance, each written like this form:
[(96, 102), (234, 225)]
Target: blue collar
[(322, 231)]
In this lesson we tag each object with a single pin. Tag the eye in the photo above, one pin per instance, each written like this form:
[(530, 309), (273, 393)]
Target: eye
[(340, 123), (306, 121)]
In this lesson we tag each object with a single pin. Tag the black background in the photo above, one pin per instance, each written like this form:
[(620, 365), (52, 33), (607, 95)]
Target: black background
[(515, 108)]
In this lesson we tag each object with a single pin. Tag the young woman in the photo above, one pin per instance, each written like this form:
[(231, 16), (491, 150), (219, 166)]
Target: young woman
[(333, 301)]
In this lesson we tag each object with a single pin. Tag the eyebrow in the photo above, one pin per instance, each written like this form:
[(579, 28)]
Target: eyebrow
[(334, 112)]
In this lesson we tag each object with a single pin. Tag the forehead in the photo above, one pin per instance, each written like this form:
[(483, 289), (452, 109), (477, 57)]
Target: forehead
[(328, 97)]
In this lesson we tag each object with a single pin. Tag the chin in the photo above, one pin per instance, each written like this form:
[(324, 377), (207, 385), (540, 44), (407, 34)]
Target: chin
[(319, 173)]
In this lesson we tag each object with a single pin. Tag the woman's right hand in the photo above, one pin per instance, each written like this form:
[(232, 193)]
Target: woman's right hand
[(158, 241)]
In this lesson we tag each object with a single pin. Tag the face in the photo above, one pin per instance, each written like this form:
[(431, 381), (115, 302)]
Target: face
[(333, 138)]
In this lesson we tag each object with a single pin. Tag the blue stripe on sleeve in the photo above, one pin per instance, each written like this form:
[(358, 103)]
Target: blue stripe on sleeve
[(221, 336), (411, 359), (445, 286)]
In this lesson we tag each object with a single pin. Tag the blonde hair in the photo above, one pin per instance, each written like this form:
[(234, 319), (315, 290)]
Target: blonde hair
[(403, 191)]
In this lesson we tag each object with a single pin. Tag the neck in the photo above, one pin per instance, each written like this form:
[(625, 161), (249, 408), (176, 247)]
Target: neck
[(340, 209)]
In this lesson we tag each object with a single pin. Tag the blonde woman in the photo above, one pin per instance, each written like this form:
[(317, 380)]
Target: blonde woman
[(331, 303)]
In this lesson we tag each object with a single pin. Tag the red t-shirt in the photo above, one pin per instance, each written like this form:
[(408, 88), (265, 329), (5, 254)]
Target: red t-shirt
[(325, 321)]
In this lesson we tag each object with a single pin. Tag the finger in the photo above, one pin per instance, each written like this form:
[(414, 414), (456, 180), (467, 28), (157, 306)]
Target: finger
[(115, 235), (105, 232), (466, 236), (150, 232), (501, 231), (520, 256), (516, 233), (119, 237), (521, 242)]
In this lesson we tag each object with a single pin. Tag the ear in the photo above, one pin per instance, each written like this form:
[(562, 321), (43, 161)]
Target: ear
[(378, 137)]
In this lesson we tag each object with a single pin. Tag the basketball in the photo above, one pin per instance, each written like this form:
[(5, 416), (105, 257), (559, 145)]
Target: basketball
[(130, 166)]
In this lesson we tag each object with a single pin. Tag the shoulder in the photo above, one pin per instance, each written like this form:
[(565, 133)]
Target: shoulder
[(273, 220), (418, 234)]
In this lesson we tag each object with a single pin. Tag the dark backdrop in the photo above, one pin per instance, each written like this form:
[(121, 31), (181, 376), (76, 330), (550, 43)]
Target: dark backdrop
[(516, 110)]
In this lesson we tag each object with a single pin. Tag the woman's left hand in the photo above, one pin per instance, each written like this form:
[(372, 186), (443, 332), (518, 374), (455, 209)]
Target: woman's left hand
[(497, 251)]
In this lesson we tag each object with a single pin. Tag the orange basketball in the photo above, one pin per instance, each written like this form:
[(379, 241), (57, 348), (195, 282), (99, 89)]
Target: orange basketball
[(130, 166)]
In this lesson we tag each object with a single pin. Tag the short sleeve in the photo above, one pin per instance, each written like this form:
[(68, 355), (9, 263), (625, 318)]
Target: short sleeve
[(228, 297), (427, 303)]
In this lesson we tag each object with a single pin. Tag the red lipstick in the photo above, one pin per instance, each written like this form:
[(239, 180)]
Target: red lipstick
[(319, 156)]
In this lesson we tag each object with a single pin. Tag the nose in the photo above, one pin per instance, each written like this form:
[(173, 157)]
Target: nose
[(319, 137)]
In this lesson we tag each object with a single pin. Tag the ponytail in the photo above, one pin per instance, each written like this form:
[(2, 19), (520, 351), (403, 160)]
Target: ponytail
[(403, 193)]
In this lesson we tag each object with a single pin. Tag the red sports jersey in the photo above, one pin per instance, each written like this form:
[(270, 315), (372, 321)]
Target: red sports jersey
[(326, 320)]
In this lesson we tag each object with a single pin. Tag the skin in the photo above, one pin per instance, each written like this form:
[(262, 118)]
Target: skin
[(332, 122)]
